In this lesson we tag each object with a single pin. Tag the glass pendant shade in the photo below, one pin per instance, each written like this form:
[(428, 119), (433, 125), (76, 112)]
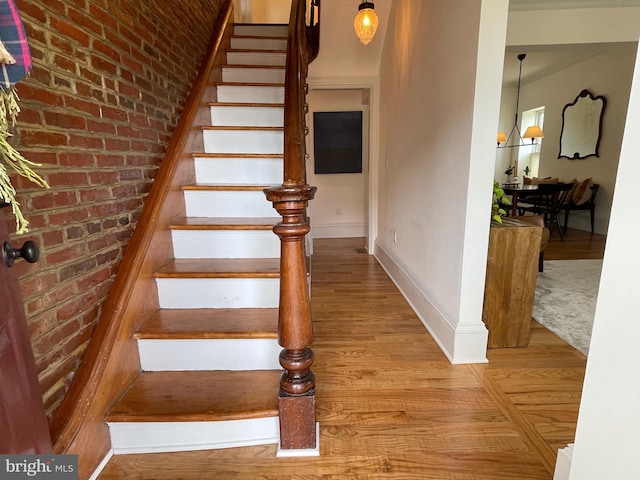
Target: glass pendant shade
[(366, 22)]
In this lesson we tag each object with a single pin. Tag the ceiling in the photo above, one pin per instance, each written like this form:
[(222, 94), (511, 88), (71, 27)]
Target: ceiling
[(543, 60)]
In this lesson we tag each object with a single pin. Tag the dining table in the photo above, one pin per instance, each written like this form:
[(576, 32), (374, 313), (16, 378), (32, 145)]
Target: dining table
[(517, 190)]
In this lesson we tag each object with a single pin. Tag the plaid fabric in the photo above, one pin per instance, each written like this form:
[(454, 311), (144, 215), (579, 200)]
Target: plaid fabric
[(15, 41)]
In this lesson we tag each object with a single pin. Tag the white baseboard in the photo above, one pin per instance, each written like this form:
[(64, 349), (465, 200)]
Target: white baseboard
[(343, 230), (461, 344), (563, 463)]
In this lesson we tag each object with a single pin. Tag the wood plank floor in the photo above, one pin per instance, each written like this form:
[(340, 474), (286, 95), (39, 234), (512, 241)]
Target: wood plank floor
[(391, 406)]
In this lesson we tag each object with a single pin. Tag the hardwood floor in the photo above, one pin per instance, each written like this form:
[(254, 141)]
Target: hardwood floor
[(577, 244), (391, 406)]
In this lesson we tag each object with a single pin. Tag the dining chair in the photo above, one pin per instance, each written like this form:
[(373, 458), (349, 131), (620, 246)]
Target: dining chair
[(549, 204)]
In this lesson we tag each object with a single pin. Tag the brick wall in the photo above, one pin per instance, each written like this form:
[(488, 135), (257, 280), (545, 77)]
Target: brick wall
[(109, 81)]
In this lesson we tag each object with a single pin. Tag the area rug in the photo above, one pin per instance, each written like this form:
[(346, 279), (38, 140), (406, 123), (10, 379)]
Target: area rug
[(565, 299)]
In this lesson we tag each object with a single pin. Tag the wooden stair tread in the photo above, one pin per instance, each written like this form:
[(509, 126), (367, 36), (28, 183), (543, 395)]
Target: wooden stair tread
[(221, 268), (223, 223), (198, 396), (220, 187), (211, 323)]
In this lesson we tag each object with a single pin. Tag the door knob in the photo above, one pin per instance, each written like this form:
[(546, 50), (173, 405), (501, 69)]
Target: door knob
[(29, 252)]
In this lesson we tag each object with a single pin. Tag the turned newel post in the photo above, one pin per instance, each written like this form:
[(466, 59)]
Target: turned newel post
[(296, 402)]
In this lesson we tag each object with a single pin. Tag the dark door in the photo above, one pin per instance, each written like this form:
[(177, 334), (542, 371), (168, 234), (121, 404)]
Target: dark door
[(22, 419)]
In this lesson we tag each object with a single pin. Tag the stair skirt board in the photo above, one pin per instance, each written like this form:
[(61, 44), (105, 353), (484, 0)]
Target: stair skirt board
[(239, 171), (157, 437), (218, 292), (257, 58), (261, 30), (228, 203), (209, 354), (248, 43), (247, 116), (250, 93), (243, 141), (225, 244)]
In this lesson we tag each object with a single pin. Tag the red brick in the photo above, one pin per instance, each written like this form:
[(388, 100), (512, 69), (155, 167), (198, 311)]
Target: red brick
[(64, 120), (68, 30)]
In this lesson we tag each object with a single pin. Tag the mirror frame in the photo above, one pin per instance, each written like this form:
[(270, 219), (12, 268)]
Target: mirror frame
[(566, 128)]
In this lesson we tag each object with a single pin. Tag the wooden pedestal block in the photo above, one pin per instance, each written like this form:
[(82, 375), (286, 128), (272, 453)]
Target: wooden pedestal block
[(512, 269)]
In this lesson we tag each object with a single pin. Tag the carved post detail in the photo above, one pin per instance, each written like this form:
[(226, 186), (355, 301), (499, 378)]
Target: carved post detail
[(295, 332)]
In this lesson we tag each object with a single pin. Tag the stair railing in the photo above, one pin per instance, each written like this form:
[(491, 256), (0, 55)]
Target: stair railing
[(296, 398)]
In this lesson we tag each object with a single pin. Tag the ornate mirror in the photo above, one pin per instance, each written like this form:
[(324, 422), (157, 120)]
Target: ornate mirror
[(582, 126)]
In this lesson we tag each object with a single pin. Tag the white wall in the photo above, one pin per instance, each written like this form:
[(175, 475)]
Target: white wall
[(607, 436), (270, 11), (340, 207), (440, 87)]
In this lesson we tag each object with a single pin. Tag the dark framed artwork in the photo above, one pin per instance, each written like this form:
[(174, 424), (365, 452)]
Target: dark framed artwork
[(337, 146)]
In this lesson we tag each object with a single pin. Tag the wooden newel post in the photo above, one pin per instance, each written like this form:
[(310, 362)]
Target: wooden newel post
[(297, 402)]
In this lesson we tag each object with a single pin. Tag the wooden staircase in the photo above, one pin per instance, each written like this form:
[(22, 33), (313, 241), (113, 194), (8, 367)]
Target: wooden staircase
[(204, 340), (209, 354)]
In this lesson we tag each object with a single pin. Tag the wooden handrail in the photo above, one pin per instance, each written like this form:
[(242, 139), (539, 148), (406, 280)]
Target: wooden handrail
[(295, 332)]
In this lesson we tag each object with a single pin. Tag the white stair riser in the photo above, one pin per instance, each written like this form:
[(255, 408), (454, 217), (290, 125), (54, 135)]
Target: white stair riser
[(202, 203), (225, 244), (218, 292), (215, 354), (243, 141), (232, 116), (261, 30), (239, 171), (256, 58), (244, 43), (250, 94), (253, 75), (149, 437)]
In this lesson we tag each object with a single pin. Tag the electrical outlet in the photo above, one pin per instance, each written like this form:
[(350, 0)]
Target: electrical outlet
[(338, 211), (395, 236)]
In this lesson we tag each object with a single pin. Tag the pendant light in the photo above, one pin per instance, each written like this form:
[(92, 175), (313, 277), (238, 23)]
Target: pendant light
[(531, 132), (366, 22)]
